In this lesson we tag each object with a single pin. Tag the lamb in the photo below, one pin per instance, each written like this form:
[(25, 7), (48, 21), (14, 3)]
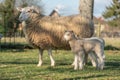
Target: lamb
[(91, 56), (46, 33), (83, 47)]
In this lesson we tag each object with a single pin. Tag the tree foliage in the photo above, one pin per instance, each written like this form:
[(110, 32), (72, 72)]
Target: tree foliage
[(23, 3), (6, 9), (112, 13), (10, 14)]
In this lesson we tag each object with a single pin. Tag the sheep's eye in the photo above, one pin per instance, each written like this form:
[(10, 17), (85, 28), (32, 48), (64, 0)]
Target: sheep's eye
[(28, 11)]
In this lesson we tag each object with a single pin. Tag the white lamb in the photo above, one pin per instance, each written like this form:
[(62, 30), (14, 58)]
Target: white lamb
[(94, 47)]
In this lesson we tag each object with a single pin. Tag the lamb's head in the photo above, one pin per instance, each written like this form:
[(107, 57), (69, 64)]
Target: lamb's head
[(27, 12), (69, 35)]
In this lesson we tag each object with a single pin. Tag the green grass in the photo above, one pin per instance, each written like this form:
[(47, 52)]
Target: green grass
[(1, 28), (21, 65)]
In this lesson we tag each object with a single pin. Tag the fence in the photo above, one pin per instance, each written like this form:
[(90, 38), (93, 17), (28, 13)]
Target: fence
[(109, 34), (16, 40), (11, 40)]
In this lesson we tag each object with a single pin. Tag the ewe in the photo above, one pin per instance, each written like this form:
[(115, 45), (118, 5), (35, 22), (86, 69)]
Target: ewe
[(45, 32)]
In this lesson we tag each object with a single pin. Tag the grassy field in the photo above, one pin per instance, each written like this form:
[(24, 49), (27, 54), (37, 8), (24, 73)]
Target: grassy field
[(21, 65), (112, 43)]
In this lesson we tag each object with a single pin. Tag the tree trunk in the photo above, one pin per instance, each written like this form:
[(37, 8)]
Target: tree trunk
[(86, 8)]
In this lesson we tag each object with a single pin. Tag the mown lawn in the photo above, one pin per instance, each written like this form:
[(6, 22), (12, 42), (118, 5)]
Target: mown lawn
[(21, 65)]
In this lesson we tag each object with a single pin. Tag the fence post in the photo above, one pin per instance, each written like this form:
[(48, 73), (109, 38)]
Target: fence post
[(98, 30)]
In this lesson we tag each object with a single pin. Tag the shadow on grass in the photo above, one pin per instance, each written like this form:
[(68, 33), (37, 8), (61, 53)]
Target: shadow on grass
[(63, 67), (59, 69), (5, 78), (12, 50), (108, 64), (87, 77), (21, 47), (110, 47), (19, 61), (15, 47), (112, 65)]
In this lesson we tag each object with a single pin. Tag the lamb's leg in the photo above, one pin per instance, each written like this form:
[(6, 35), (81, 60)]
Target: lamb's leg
[(100, 61), (86, 59), (40, 57), (51, 57), (93, 59), (101, 66), (81, 59), (73, 64), (76, 61)]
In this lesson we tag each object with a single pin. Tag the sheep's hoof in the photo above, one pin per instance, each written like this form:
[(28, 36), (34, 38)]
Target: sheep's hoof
[(94, 66), (73, 64), (39, 65), (75, 68), (80, 68), (52, 65)]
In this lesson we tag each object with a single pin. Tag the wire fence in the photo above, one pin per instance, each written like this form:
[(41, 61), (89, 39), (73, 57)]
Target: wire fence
[(14, 40)]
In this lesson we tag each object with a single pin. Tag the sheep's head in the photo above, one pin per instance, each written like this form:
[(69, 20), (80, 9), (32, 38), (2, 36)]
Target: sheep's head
[(26, 11), (69, 35)]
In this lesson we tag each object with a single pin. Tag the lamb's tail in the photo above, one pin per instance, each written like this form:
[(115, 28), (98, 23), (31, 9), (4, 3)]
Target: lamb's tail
[(103, 48), (103, 42)]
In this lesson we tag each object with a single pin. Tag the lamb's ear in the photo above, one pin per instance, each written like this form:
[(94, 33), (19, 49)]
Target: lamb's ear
[(65, 31), (19, 9), (77, 36)]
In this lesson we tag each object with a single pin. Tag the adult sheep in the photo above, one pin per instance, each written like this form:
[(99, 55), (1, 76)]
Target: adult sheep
[(45, 32)]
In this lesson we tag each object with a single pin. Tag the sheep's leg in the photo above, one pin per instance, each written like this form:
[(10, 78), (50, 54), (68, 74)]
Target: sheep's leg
[(81, 59), (93, 59), (51, 57), (40, 57), (101, 65), (100, 61), (86, 59), (73, 64), (76, 61)]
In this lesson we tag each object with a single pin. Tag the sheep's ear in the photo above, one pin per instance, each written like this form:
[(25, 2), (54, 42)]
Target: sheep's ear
[(30, 10), (19, 9), (35, 9), (71, 31)]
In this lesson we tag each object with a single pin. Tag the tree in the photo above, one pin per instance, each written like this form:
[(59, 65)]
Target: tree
[(7, 12), (10, 14), (112, 13), (23, 3), (86, 8)]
